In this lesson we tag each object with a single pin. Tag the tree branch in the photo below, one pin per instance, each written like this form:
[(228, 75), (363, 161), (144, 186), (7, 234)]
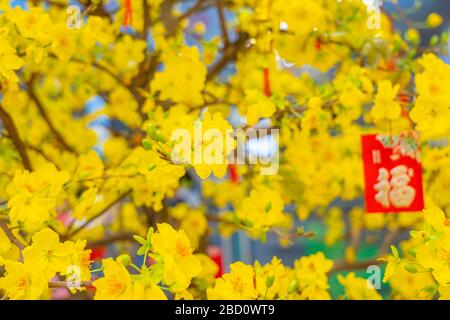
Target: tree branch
[(223, 25), (9, 125), (87, 222), (12, 237), (146, 11), (388, 239), (65, 284), (44, 115), (346, 266), (229, 55)]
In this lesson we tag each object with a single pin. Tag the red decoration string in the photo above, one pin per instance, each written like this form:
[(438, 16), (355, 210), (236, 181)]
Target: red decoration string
[(318, 44), (267, 91), (234, 175), (128, 14), (390, 65)]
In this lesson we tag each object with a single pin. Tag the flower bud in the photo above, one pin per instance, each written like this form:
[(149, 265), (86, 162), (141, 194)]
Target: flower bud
[(270, 281), (124, 259), (434, 20)]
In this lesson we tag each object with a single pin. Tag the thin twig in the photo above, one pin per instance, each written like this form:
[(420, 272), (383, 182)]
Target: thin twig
[(12, 237), (229, 55), (345, 266), (65, 284), (388, 240), (44, 115), (9, 125), (87, 222), (223, 26)]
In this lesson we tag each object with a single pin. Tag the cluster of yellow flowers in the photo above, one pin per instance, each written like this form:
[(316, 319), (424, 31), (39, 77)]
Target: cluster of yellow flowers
[(42, 260), (91, 157), (425, 264)]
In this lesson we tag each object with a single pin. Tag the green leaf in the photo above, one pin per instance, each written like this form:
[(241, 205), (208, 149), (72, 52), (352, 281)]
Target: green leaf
[(300, 231), (124, 259), (151, 131), (236, 219), (147, 144), (434, 40), (394, 251), (150, 233), (270, 281), (156, 272), (142, 250), (247, 223), (268, 207), (140, 239), (444, 37), (263, 237), (159, 137), (411, 268), (293, 286)]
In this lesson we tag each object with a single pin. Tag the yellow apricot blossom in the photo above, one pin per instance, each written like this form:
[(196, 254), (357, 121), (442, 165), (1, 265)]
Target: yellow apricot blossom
[(9, 61), (357, 288), (23, 281), (34, 196), (180, 265), (239, 284), (116, 283), (47, 253), (385, 107)]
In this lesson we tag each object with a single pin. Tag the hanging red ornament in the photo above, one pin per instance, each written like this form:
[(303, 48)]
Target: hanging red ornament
[(128, 14), (390, 65), (318, 44), (234, 175), (392, 173), (267, 91)]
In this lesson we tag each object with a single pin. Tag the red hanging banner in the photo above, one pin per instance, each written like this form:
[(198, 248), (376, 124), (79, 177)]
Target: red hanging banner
[(392, 173), (128, 13), (267, 91)]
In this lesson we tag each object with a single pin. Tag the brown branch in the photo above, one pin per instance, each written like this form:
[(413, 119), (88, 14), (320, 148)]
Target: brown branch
[(87, 222), (12, 237), (102, 68), (223, 26), (65, 284), (388, 240), (199, 6), (166, 17), (229, 55), (131, 88), (346, 266), (9, 125), (146, 10), (38, 151), (46, 157), (44, 115)]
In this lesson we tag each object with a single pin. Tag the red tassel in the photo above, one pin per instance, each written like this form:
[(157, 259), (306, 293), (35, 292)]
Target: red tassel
[(98, 253), (267, 91), (390, 65), (128, 14), (234, 175), (318, 44)]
